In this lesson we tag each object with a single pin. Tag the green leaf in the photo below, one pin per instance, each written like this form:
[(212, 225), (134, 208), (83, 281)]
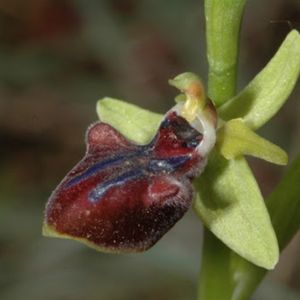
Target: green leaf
[(137, 124), (268, 91), (223, 19), (230, 204), (284, 205), (236, 139), (284, 208)]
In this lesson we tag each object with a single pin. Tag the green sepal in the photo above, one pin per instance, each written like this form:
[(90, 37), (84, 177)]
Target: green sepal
[(236, 139), (268, 91), (284, 208), (230, 204), (137, 124)]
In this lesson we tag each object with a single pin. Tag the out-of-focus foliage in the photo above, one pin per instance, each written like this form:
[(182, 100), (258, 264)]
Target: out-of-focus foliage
[(57, 58)]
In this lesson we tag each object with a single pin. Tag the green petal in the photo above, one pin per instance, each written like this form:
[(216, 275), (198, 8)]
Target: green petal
[(236, 139), (180, 98), (184, 80), (137, 124), (268, 91), (230, 204)]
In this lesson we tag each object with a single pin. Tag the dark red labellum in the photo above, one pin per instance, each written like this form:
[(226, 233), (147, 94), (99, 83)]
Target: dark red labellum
[(122, 196)]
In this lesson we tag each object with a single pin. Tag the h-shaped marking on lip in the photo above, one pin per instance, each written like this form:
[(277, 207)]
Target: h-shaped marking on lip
[(153, 167)]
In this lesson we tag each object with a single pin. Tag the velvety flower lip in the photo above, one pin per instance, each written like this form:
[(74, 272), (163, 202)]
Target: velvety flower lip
[(123, 197)]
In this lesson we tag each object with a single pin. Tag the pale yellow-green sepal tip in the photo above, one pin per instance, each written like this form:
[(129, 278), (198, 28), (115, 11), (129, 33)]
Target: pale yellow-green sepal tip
[(49, 231), (236, 139)]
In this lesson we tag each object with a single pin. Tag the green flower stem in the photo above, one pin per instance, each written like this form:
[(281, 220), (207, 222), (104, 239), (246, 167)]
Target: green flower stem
[(215, 277), (223, 19)]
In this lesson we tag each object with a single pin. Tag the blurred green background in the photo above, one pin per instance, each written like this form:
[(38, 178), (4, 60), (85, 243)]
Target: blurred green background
[(57, 58)]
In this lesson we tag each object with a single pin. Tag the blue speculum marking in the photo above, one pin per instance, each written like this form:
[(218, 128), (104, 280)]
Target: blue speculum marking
[(142, 162), (98, 167), (153, 166), (98, 192), (167, 165)]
